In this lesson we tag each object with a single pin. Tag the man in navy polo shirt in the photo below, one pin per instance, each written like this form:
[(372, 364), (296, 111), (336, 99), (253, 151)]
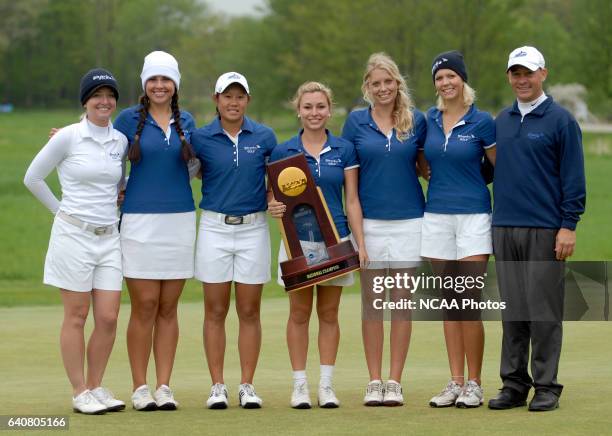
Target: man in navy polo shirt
[(539, 192)]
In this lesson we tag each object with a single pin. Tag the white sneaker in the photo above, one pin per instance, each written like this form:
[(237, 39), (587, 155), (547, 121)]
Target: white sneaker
[(86, 403), (374, 394), (448, 396), (393, 394), (247, 397), (300, 398), (107, 398), (218, 397), (164, 398), (142, 399), (471, 395), (327, 398)]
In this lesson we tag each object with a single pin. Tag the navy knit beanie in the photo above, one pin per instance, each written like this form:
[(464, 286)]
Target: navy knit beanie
[(95, 79), (451, 60)]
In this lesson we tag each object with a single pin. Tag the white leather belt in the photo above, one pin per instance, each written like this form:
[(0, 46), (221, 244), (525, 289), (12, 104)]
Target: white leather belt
[(96, 230)]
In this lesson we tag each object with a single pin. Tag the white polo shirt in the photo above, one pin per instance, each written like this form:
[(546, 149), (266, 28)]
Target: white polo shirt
[(90, 165)]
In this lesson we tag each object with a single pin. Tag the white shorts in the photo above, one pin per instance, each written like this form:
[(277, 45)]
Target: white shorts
[(315, 247), (78, 260), (158, 246), (226, 252), (393, 243), (456, 236)]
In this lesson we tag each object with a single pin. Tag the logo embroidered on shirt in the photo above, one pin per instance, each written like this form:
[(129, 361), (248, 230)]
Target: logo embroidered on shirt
[(252, 148), (333, 162), (115, 155), (535, 135), (465, 138)]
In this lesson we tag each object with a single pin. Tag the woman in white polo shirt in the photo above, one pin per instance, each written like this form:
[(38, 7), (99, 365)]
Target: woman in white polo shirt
[(233, 239), (388, 137), (457, 222), (84, 255), (333, 164)]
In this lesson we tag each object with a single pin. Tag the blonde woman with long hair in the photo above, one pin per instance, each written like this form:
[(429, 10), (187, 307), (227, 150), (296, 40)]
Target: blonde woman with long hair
[(457, 221), (388, 137)]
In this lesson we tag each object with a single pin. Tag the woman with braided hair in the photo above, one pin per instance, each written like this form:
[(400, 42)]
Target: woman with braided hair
[(158, 225)]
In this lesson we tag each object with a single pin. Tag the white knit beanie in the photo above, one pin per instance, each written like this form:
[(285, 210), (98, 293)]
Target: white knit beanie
[(160, 63)]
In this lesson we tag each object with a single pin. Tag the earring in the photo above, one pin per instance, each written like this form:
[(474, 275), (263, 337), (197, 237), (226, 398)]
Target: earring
[(299, 116)]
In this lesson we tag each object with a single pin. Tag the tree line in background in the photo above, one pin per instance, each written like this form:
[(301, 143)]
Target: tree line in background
[(46, 46)]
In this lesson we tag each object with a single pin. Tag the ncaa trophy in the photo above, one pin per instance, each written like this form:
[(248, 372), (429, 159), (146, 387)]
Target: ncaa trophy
[(311, 240)]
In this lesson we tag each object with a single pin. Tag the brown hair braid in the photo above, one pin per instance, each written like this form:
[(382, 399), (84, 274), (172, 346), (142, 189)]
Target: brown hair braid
[(134, 151), (186, 148)]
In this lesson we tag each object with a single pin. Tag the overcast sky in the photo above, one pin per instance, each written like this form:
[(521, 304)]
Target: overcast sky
[(236, 7)]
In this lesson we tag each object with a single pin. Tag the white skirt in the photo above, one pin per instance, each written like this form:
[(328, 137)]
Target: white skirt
[(456, 236), (158, 246), (78, 260), (393, 243)]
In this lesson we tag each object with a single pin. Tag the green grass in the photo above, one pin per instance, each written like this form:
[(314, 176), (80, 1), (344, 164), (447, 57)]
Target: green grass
[(34, 382), (25, 224)]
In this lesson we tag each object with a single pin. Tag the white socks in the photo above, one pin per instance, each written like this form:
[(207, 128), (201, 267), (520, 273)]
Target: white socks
[(327, 374), (299, 377)]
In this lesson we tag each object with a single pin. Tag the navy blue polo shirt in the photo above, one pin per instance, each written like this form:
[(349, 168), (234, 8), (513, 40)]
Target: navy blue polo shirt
[(233, 177), (159, 182), (337, 156), (456, 185), (389, 188), (539, 171)]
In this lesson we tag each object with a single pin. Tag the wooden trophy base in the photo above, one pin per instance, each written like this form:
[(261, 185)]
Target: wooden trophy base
[(297, 274)]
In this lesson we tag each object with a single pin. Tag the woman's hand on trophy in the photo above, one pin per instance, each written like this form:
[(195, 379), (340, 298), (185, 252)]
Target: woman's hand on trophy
[(276, 208)]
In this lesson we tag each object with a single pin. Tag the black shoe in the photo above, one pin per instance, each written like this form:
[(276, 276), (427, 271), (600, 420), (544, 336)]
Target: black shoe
[(543, 401), (507, 399)]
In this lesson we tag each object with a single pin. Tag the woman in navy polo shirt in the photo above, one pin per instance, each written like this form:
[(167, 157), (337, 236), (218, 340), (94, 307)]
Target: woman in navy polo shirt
[(457, 221), (333, 164), (158, 225), (388, 137), (233, 238)]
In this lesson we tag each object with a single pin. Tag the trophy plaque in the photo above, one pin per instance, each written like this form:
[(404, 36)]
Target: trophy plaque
[(311, 240)]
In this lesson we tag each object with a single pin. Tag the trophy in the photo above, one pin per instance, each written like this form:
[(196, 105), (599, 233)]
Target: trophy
[(311, 240)]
